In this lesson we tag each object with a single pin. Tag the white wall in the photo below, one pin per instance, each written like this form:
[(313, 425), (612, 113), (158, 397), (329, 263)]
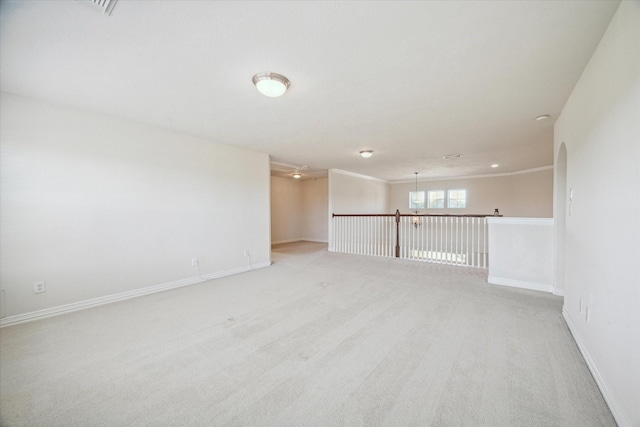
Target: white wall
[(298, 209), (351, 193), (97, 206), (560, 216), (600, 126), (521, 253), (286, 210), (315, 202), (526, 194)]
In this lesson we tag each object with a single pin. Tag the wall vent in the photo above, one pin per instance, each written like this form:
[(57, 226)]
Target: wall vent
[(103, 6)]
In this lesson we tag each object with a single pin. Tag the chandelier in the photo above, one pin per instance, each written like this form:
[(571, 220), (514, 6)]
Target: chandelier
[(416, 219)]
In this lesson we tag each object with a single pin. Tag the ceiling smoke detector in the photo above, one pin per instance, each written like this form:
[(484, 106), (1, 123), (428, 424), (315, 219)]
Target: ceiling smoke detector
[(452, 156), (104, 6)]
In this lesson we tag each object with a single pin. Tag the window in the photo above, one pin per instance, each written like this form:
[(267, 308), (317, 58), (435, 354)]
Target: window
[(416, 200), (436, 199), (457, 198)]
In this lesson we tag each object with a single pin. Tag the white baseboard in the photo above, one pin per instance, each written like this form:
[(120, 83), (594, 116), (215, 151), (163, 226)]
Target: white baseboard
[(544, 287), (279, 242), (308, 239), (616, 409), (81, 305), (301, 239)]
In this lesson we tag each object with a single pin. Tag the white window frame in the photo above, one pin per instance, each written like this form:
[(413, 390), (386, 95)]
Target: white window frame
[(456, 202), (443, 199)]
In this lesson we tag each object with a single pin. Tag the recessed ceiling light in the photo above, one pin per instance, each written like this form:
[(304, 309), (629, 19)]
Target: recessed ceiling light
[(297, 175), (495, 165), (271, 84), (542, 117), (366, 153), (452, 156)]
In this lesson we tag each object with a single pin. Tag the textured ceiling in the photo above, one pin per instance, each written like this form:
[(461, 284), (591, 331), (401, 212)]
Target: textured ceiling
[(411, 80)]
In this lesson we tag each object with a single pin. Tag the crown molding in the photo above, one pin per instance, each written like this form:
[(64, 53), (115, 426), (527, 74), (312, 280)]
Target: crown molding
[(357, 175), (493, 175)]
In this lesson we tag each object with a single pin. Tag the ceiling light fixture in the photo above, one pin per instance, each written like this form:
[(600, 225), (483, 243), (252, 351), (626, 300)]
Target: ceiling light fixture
[(542, 117), (452, 156), (366, 153), (297, 175), (271, 84), (495, 165)]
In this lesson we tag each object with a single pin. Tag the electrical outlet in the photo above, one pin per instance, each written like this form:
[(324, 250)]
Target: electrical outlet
[(194, 262), (39, 287)]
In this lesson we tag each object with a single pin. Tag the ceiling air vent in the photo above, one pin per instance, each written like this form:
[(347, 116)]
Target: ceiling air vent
[(104, 6)]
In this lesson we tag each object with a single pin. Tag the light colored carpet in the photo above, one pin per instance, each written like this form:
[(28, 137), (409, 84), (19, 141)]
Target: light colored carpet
[(317, 339)]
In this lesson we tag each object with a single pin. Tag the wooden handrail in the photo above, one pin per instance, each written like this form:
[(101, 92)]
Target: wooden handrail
[(363, 215), (412, 215)]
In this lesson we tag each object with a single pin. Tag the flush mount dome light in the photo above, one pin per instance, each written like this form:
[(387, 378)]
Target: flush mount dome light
[(542, 117), (366, 153), (297, 175), (271, 84), (452, 156), (495, 165)]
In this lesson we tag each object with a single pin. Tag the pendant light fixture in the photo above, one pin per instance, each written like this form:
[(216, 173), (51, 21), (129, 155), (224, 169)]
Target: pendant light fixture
[(417, 221)]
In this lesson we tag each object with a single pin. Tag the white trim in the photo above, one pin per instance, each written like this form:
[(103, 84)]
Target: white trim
[(94, 302), (520, 221), (493, 175), (533, 170), (616, 409), (301, 239), (523, 284), (558, 292), (286, 165), (357, 175), (305, 239), (279, 242)]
